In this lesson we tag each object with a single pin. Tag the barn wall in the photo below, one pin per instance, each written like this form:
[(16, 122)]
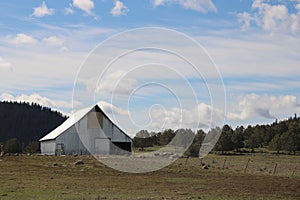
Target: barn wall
[(99, 140), (48, 147), (72, 142), (92, 136), (107, 127), (119, 136)]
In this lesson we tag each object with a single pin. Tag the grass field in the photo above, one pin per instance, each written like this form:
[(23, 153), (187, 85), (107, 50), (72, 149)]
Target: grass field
[(50, 177)]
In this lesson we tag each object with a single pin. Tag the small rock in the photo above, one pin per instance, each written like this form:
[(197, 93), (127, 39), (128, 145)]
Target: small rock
[(174, 156), (165, 154), (79, 162), (55, 164), (205, 167)]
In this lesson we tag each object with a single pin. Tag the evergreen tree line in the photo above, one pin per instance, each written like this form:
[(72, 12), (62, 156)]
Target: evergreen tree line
[(283, 136), (13, 145), (23, 123)]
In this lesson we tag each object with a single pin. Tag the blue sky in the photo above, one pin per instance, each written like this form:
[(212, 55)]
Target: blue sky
[(255, 45)]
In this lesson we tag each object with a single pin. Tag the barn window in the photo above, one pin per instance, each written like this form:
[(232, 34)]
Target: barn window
[(95, 120)]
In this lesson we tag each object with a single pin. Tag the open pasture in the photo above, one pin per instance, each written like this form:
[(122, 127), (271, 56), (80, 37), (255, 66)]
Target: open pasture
[(265, 176)]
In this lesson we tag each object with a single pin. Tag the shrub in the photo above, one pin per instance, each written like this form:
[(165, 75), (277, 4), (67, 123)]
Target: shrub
[(33, 147), (12, 146)]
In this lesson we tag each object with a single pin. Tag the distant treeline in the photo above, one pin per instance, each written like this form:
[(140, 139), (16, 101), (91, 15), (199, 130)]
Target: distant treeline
[(26, 122), (23, 124), (278, 136)]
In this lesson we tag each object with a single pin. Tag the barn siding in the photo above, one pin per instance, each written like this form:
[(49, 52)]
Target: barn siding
[(48, 147), (72, 142), (119, 136)]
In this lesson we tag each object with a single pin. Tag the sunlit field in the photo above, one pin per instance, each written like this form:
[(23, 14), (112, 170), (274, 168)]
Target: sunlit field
[(258, 176)]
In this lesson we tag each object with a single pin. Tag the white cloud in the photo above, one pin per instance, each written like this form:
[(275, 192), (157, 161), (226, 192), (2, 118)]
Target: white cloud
[(111, 109), (42, 10), (85, 5), (5, 64), (271, 18), (53, 41), (22, 38), (117, 83), (36, 98), (202, 6), (69, 10), (244, 18), (252, 54), (198, 117), (119, 9), (158, 2), (267, 106)]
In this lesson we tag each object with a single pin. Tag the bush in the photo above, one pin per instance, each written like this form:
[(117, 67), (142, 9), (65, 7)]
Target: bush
[(12, 146), (193, 150), (33, 147)]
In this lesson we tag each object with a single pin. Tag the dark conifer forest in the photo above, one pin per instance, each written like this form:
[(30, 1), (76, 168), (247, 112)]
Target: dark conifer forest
[(27, 122), (282, 136)]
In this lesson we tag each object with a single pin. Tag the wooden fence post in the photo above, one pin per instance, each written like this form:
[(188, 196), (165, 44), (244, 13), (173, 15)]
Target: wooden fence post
[(224, 163), (246, 165), (274, 171), (294, 170), (186, 160)]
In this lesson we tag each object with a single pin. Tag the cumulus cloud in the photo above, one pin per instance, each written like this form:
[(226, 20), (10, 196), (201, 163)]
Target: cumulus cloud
[(36, 98), (245, 19), (253, 105), (202, 116), (111, 109), (119, 9), (85, 5), (202, 6), (69, 10), (158, 2), (22, 38), (117, 83), (53, 41), (5, 64), (270, 17), (42, 10)]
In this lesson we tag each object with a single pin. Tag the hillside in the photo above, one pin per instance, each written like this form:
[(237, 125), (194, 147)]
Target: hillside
[(27, 122)]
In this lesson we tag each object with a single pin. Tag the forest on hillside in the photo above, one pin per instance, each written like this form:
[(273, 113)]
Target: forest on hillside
[(27, 122), (283, 136)]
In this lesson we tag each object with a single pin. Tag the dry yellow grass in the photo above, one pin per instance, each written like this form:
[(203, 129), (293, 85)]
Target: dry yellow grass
[(50, 177)]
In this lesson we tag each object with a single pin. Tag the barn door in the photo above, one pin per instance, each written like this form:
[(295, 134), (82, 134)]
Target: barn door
[(60, 149), (102, 146)]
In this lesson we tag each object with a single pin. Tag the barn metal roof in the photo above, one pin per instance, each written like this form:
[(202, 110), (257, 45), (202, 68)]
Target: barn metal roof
[(75, 117)]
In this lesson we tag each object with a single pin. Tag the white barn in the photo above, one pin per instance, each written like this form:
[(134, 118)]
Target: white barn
[(87, 131)]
